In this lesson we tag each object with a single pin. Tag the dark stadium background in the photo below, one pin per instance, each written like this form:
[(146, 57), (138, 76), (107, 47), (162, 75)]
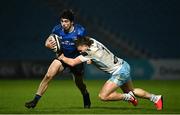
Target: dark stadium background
[(145, 33), (134, 30)]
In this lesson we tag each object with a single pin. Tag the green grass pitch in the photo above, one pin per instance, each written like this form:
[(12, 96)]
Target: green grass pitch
[(62, 97)]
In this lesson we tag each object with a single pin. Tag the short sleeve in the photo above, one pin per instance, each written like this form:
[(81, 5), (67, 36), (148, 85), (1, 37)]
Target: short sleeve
[(81, 31)]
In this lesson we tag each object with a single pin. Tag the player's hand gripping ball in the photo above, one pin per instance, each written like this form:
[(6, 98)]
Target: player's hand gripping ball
[(53, 42)]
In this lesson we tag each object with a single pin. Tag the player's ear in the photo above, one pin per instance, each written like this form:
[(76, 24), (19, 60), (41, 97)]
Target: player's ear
[(72, 22)]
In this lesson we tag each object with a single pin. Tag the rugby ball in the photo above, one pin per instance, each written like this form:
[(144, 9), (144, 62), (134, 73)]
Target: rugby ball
[(56, 39)]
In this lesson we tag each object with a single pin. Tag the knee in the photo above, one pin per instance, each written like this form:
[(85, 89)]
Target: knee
[(102, 97), (48, 76)]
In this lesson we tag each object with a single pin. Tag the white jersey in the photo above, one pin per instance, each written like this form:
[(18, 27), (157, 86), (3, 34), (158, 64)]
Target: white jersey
[(101, 57)]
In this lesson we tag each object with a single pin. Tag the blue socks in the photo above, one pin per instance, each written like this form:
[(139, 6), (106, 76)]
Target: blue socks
[(37, 97)]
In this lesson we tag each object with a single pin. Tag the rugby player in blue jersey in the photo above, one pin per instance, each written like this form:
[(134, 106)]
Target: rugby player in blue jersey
[(67, 32)]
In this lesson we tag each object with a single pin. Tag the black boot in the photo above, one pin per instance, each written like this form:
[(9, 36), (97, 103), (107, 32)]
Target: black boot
[(31, 104)]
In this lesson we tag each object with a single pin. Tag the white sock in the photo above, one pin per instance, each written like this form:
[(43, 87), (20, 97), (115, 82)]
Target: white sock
[(154, 98), (131, 93), (126, 97)]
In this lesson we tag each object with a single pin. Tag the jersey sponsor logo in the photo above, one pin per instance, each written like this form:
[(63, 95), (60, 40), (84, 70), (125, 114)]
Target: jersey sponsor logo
[(67, 43)]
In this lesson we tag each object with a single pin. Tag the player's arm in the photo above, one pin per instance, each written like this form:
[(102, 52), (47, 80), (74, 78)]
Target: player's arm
[(73, 61), (70, 61)]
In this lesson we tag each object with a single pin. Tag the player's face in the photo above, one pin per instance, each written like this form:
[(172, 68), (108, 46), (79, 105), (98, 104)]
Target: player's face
[(66, 24), (82, 48)]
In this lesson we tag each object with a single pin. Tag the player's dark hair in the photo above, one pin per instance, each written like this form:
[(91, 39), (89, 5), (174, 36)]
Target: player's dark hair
[(85, 40), (67, 14)]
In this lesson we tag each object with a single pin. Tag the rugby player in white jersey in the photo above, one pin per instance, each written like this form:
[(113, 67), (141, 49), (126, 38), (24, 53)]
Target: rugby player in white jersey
[(95, 52)]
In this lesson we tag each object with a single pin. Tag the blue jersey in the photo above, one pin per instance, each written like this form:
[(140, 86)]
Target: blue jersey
[(67, 39)]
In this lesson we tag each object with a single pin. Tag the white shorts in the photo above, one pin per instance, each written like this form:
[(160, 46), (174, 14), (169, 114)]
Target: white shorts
[(122, 75)]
